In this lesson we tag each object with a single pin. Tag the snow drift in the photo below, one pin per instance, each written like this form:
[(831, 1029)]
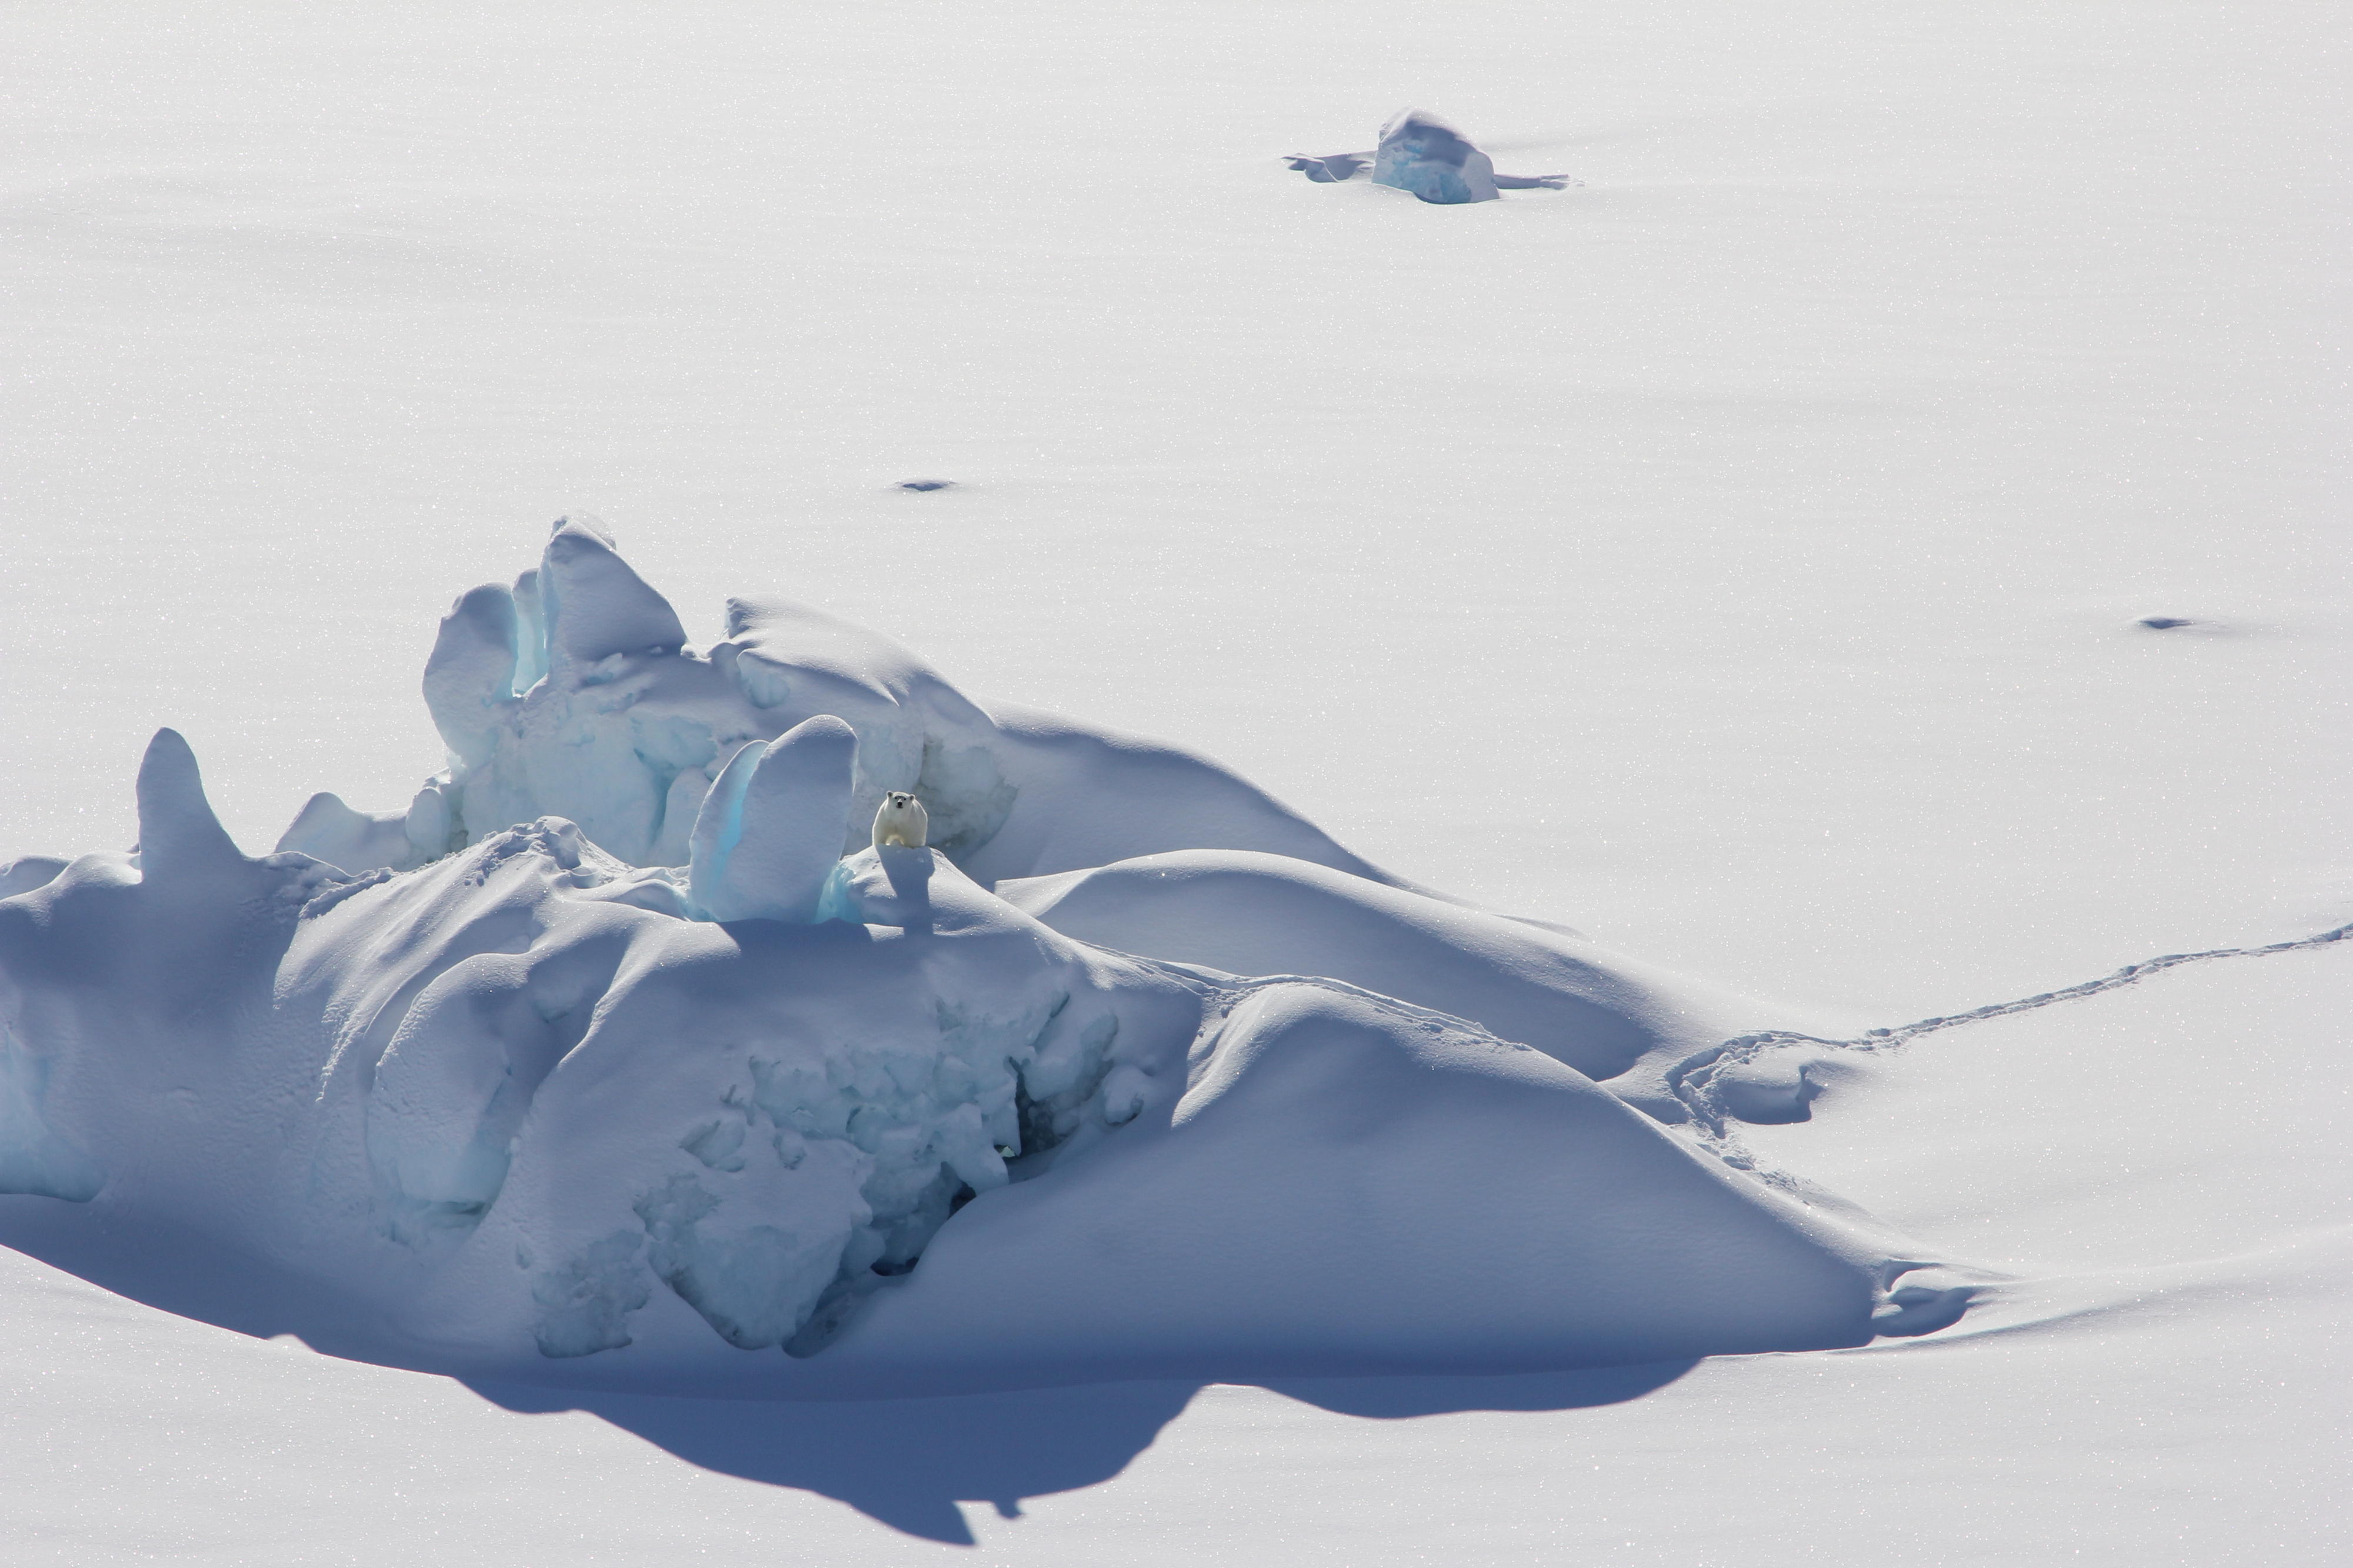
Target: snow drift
[(620, 1049)]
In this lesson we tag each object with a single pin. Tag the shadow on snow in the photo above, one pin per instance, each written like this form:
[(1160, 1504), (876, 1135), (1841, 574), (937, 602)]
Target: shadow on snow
[(908, 1462)]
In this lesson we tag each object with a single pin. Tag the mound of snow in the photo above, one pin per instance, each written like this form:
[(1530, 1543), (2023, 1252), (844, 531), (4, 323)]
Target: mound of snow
[(769, 833), (530, 1099), (1426, 155), (1348, 1185), (571, 694), (1267, 914)]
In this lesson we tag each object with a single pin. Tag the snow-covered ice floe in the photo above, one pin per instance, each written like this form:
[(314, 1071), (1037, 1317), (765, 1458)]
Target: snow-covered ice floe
[(631, 1046), (1427, 156)]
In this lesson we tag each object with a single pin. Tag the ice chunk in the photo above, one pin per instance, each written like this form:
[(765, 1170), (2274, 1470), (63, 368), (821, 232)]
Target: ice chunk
[(624, 735), (1426, 155), (770, 832), (428, 827), (1423, 153), (470, 678), (530, 632), (878, 1082), (754, 1256), (326, 829), (596, 605), (584, 1303), (446, 1097), (179, 837), (27, 872), (1345, 1186)]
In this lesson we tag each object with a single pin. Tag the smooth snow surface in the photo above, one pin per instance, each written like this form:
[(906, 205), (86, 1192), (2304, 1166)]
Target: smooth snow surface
[(1877, 545)]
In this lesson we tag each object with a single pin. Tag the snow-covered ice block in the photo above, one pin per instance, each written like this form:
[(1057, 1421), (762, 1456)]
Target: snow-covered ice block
[(1427, 155), (571, 695), (1423, 153), (1265, 914), (27, 872), (469, 676), (329, 831), (527, 1118), (594, 606), (770, 831), (179, 837), (529, 1100), (451, 1091), (1347, 1186)]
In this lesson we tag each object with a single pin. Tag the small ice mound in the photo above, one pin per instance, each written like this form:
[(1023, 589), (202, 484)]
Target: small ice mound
[(1345, 1186), (1423, 153), (2164, 623), (1330, 169), (179, 837), (327, 829), (924, 487), (1913, 1310), (1426, 155), (28, 872), (596, 605), (469, 676), (1267, 914), (770, 832)]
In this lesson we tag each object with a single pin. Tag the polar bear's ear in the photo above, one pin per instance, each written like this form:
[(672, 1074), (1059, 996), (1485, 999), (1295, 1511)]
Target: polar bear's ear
[(178, 833)]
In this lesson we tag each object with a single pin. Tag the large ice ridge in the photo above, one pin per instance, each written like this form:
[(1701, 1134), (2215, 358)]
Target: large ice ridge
[(622, 1049)]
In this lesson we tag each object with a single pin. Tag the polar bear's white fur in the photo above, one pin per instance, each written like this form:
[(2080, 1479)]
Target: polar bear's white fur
[(900, 819)]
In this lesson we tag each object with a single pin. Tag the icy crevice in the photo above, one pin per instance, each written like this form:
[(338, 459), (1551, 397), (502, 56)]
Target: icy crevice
[(821, 1176)]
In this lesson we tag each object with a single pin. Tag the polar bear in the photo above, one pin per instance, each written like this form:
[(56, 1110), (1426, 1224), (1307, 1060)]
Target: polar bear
[(900, 819)]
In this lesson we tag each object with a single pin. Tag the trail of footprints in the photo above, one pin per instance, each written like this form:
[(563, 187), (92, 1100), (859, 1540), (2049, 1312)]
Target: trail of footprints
[(1708, 1085)]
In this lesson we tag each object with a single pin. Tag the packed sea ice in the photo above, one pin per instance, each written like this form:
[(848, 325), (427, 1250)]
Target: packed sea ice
[(629, 1047)]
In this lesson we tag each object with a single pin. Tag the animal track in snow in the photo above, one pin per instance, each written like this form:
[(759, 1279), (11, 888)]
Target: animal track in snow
[(1720, 1086)]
